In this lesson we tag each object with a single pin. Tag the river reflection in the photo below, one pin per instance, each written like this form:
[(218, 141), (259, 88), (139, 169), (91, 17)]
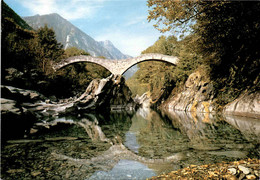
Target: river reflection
[(124, 145)]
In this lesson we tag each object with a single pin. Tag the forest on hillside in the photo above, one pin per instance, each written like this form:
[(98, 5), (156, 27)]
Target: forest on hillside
[(219, 39), (27, 56)]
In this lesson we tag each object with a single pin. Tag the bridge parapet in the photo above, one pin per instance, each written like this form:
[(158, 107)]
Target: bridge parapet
[(116, 66)]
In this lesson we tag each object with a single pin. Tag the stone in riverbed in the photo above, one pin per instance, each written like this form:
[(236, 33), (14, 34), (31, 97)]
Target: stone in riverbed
[(233, 171), (9, 106), (245, 170), (35, 173), (21, 141), (21, 95), (250, 176)]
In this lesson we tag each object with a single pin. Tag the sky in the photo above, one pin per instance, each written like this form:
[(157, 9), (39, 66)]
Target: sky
[(123, 22)]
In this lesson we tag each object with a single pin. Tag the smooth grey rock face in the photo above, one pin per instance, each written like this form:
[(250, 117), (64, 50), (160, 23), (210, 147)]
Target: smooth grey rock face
[(197, 96), (110, 92), (143, 100), (246, 105)]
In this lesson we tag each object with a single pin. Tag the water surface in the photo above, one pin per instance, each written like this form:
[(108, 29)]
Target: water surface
[(123, 145)]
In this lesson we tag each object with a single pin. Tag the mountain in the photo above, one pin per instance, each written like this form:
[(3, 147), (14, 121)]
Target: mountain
[(113, 50), (69, 35)]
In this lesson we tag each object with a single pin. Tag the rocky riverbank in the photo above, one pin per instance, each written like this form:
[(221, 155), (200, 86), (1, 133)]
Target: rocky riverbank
[(22, 107), (198, 96), (243, 169), (248, 104)]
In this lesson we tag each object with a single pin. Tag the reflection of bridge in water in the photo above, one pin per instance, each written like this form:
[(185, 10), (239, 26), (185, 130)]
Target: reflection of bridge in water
[(116, 66)]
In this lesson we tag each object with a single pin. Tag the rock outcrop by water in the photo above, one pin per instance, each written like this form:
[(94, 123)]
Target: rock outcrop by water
[(106, 93), (144, 101), (110, 92), (22, 107), (248, 104), (197, 96)]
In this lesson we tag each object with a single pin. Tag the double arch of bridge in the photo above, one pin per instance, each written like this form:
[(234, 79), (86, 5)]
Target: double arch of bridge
[(117, 67)]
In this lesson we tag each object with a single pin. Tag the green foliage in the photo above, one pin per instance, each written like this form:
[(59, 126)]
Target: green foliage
[(227, 39), (14, 45), (230, 46), (33, 52), (73, 51), (159, 77), (7, 12), (46, 49)]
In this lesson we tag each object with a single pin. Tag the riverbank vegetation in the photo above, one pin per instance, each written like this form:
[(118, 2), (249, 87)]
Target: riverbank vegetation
[(27, 56), (220, 39)]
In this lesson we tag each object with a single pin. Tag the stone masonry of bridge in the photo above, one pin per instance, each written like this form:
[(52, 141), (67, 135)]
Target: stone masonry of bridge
[(117, 67)]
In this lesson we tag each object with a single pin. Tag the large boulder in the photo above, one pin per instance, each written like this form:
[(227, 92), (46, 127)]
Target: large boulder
[(110, 92), (248, 104), (197, 95), (21, 95), (144, 100)]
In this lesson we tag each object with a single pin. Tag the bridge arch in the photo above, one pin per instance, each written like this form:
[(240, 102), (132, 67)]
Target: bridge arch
[(116, 66)]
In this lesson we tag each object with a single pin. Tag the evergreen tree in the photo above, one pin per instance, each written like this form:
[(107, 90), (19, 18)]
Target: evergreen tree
[(47, 49)]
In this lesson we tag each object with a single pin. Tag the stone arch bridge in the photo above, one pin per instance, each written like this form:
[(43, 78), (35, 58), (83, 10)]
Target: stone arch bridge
[(117, 67)]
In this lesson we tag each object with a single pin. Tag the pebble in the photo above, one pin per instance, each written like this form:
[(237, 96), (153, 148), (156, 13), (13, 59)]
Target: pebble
[(244, 169), (35, 173), (230, 177), (250, 176), (241, 176), (233, 171)]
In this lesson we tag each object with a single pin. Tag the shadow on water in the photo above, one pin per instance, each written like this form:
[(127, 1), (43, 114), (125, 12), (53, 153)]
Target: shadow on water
[(121, 145)]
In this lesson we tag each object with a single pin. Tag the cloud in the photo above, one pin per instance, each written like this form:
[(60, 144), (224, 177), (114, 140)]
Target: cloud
[(69, 9), (136, 20)]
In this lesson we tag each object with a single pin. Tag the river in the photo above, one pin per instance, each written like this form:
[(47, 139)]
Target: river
[(127, 145)]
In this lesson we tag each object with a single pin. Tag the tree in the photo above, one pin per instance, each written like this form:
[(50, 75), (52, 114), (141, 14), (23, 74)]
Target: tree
[(228, 35), (47, 49), (161, 77), (73, 51), (14, 45), (173, 15)]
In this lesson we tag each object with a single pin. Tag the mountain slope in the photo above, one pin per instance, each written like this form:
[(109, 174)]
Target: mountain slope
[(113, 50), (69, 35), (7, 12)]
